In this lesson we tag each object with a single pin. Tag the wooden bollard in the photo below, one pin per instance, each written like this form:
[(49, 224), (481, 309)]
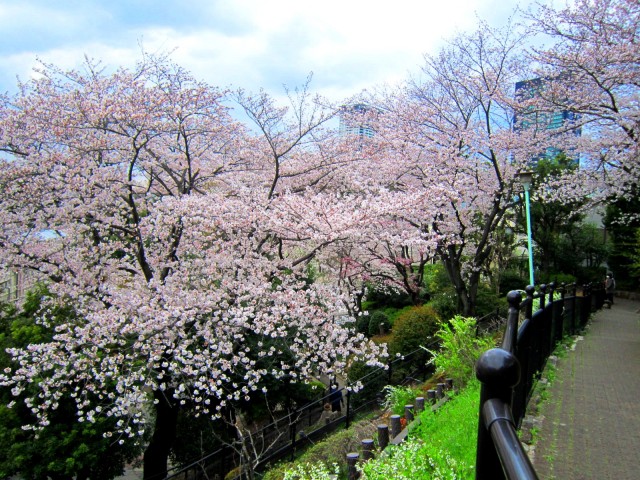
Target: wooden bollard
[(367, 449), (419, 404), (395, 425), (408, 413), (431, 396), (440, 391), (352, 471), (383, 436), (449, 382)]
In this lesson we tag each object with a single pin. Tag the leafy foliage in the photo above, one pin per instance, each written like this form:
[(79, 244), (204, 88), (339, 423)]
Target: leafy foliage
[(488, 300), (312, 471), (414, 328), (331, 451), (622, 220), (396, 397), (512, 280), (377, 320), (445, 303), (460, 348), (442, 446), (64, 447)]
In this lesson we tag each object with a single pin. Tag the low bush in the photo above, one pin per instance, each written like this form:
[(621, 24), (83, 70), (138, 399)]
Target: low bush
[(393, 313), (312, 471), (487, 301), (445, 303), (397, 397), (414, 328), (362, 323), (378, 318), (560, 278), (384, 295), (460, 349), (512, 280)]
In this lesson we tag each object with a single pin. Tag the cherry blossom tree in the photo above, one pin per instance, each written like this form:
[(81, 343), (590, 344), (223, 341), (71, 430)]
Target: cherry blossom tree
[(590, 67), (176, 236), (455, 155)]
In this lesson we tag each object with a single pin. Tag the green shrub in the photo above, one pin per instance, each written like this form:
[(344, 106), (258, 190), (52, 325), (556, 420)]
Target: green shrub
[(312, 471), (378, 318), (512, 280), (460, 349), (487, 301), (396, 398), (331, 451), (559, 278), (393, 313), (362, 323), (445, 303), (414, 328), (436, 278), (379, 295)]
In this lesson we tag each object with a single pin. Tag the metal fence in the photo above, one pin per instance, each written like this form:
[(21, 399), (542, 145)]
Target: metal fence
[(508, 374), (292, 433)]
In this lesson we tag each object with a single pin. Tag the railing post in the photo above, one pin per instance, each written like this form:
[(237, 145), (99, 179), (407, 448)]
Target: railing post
[(419, 404), (383, 436), (293, 441), (498, 371), (530, 291), (543, 293), (574, 306), (511, 332), (541, 329), (408, 413), (395, 425), (348, 405), (352, 471), (367, 449)]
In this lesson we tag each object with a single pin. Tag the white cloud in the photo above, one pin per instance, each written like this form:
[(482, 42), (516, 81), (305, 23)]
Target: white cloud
[(348, 44)]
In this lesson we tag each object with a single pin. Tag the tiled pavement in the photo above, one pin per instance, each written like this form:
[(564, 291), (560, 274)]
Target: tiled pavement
[(590, 422)]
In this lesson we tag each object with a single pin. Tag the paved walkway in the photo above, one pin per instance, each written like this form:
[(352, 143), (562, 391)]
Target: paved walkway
[(591, 420)]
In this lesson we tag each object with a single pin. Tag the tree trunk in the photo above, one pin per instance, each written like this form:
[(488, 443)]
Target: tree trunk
[(449, 258), (156, 456)]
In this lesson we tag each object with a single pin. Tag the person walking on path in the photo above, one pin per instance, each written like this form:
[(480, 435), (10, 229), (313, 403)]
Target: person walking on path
[(609, 288), (335, 397)]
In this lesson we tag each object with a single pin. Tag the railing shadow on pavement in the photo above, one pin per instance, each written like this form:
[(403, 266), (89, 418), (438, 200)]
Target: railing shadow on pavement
[(508, 374)]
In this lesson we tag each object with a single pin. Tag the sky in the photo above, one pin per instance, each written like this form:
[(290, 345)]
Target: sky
[(348, 45)]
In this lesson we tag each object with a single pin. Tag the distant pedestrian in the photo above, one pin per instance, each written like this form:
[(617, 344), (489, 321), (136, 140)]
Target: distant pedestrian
[(335, 397), (327, 416), (609, 288)]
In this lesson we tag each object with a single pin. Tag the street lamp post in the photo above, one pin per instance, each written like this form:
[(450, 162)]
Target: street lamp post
[(525, 179)]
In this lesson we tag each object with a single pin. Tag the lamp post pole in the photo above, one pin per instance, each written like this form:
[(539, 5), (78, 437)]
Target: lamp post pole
[(525, 180)]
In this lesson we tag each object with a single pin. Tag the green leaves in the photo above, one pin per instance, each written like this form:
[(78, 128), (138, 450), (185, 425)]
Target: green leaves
[(460, 349)]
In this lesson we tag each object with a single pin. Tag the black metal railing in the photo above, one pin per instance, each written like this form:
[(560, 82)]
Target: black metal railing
[(508, 374), (291, 433)]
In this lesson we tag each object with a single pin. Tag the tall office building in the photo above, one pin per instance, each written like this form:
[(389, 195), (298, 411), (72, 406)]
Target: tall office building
[(353, 120), (545, 120)]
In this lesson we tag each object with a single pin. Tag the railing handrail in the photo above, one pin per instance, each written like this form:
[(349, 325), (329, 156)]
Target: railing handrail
[(513, 457), (525, 348)]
